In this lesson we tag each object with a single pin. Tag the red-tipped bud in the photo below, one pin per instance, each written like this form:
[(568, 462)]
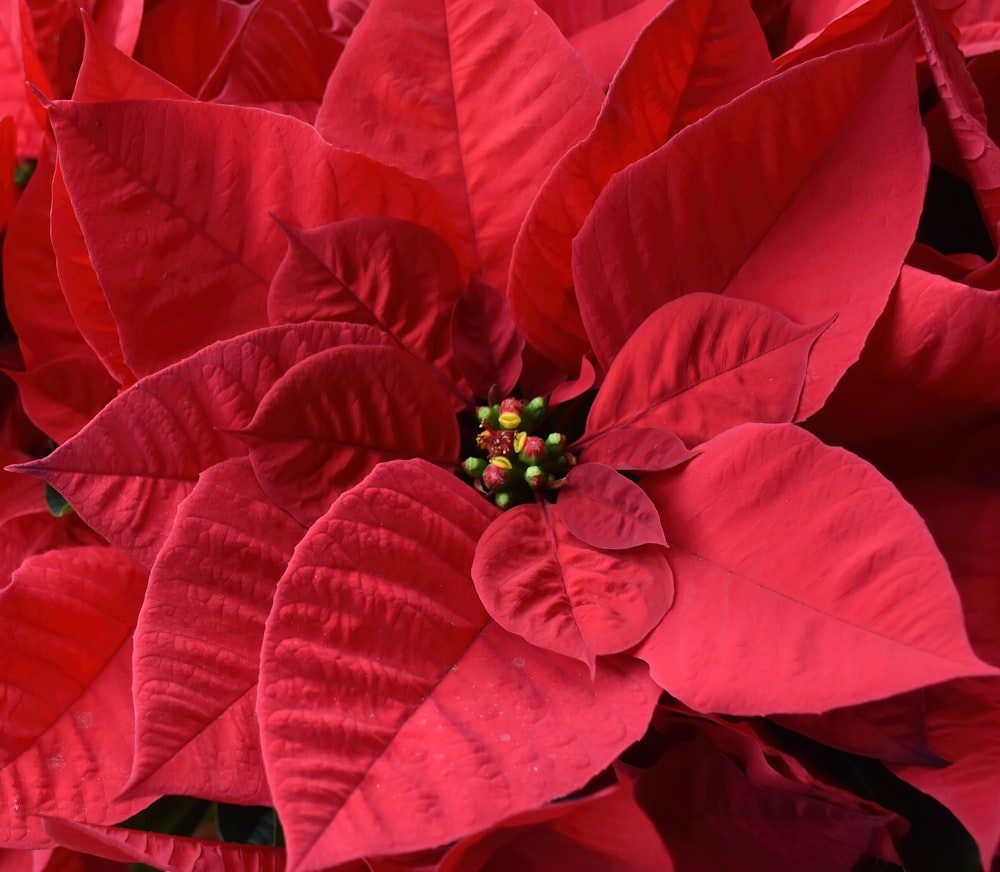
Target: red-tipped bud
[(533, 450), (511, 404), (535, 476), (495, 476)]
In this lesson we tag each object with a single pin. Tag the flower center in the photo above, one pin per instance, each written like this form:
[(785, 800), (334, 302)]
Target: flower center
[(516, 461)]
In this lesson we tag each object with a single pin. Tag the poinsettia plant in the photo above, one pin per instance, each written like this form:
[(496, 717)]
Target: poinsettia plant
[(512, 435)]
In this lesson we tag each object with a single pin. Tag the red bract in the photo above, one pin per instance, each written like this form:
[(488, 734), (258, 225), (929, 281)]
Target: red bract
[(437, 621)]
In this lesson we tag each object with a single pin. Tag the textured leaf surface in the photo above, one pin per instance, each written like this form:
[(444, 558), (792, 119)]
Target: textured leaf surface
[(393, 274), (66, 618), (127, 471), (409, 91), (640, 449), (311, 438), (197, 641), (446, 737), (858, 594), (817, 228), (204, 222), (607, 510), (708, 363), (538, 580), (693, 57)]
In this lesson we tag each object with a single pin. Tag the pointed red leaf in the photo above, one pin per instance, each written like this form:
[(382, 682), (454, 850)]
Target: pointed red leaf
[(67, 616), (311, 439), (208, 240), (393, 274), (792, 561), (606, 831), (636, 449), (128, 470), (693, 57), (538, 580), (485, 340), (607, 510), (604, 46), (443, 738), (450, 91), (209, 594), (161, 851), (107, 73), (706, 363), (808, 211)]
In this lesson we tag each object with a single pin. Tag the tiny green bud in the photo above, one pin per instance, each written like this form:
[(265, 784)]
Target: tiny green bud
[(474, 466), (534, 409), (555, 442), (534, 476), (502, 499)]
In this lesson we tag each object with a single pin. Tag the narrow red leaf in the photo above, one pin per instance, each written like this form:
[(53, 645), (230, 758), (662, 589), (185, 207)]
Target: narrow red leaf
[(161, 851), (966, 115), (285, 52), (390, 273), (184, 40), (607, 510), (722, 800), (486, 342), (706, 363), (538, 580), (67, 616), (444, 738), (128, 470), (209, 594), (311, 439), (809, 212), (209, 242), (693, 57), (794, 560), (636, 449), (449, 90)]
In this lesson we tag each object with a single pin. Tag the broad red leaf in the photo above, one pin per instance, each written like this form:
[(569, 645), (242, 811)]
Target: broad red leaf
[(443, 738), (128, 470), (14, 99), (833, 590), (165, 852), (604, 46), (706, 363), (722, 800), (966, 115), (606, 831), (208, 240), (8, 166), (185, 40), (572, 17), (67, 616), (805, 209), (393, 274), (311, 439), (636, 449), (284, 53), (209, 594), (485, 340), (607, 510), (411, 91), (978, 22), (693, 57), (538, 580)]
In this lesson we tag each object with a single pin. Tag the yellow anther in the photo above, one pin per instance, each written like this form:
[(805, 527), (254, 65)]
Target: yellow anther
[(501, 461), (510, 420), (519, 439)]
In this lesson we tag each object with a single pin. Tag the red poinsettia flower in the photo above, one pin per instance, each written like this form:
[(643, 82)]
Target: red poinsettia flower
[(617, 333)]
